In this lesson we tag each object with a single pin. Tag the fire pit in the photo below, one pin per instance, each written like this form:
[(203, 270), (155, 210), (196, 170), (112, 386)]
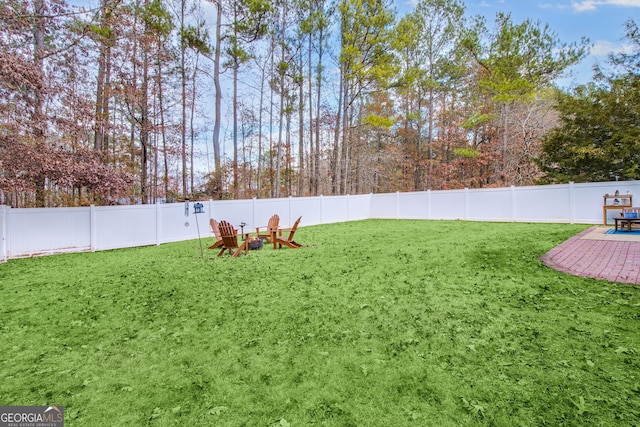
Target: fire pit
[(254, 242)]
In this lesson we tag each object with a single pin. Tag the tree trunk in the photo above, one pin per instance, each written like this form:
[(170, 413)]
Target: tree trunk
[(316, 187), (183, 96), (301, 98), (218, 99), (272, 190), (505, 132), (346, 136), (283, 103), (236, 66), (312, 155), (144, 127), (335, 166), (280, 130), (101, 116), (261, 102), (101, 132), (192, 130), (38, 119), (165, 156), (235, 131)]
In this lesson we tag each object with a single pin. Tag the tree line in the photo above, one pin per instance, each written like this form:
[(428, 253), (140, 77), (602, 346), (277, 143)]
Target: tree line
[(287, 97)]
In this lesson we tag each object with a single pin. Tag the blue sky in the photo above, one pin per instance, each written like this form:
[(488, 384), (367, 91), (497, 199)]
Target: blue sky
[(601, 21)]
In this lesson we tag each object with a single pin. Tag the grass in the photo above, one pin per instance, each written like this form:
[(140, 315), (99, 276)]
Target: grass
[(377, 323)]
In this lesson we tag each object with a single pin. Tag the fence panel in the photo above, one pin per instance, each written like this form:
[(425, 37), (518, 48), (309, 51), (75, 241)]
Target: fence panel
[(174, 225), (237, 212), (358, 208), (4, 212), (491, 204), (335, 209), (263, 209), (550, 203), (36, 231), (125, 226), (448, 204), (413, 205), (384, 205), (310, 208), (29, 232), (584, 208), (588, 198)]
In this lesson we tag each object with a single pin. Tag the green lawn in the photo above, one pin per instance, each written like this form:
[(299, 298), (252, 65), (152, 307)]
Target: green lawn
[(375, 323)]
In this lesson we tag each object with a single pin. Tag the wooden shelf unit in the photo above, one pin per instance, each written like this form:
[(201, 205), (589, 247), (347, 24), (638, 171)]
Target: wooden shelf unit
[(612, 206)]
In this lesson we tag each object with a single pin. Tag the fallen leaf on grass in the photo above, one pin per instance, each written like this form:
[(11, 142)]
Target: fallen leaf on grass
[(217, 410)]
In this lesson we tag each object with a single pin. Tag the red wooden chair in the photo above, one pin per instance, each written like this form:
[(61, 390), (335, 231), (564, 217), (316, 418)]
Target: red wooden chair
[(216, 232), (272, 226), (230, 242), (279, 239)]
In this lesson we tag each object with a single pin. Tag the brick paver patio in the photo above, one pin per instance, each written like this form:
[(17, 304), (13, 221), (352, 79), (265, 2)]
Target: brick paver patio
[(593, 253)]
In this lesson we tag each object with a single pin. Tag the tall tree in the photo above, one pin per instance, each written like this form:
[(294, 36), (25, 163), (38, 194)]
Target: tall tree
[(105, 39), (38, 117), (280, 87), (159, 25), (315, 27), (182, 17), (599, 139), (43, 155), (366, 64), (425, 40), (299, 80), (218, 98), (247, 25), (517, 60), (196, 38)]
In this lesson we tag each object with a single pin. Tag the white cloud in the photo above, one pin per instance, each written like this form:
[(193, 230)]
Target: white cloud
[(604, 48), (624, 3), (584, 6), (587, 5), (556, 5)]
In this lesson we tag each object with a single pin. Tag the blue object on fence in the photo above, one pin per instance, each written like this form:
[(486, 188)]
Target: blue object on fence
[(198, 208)]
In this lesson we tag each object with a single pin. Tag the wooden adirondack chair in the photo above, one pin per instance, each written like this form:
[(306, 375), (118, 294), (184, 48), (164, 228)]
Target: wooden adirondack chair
[(279, 239), (216, 232), (230, 242), (272, 226)]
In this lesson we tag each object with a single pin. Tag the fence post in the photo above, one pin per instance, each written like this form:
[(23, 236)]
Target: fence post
[(429, 204), (321, 208), (397, 205), (92, 228), (158, 227), (289, 208), (572, 203), (253, 211), (4, 212), (513, 204), (466, 203)]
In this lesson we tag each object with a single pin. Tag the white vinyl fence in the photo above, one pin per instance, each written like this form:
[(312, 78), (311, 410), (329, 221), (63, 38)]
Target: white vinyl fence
[(31, 232)]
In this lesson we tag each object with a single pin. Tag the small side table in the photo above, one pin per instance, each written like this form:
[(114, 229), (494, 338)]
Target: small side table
[(625, 221)]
